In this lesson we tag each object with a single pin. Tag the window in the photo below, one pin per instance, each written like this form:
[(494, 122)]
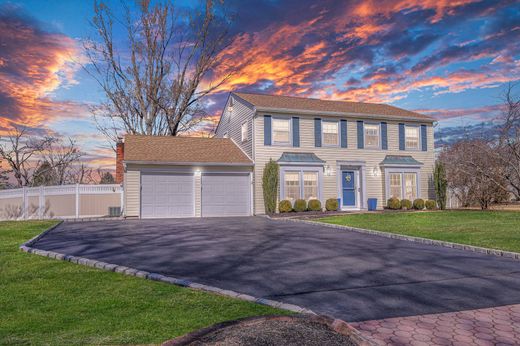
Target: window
[(244, 132), (395, 185), (310, 185), (410, 186), (281, 131), (411, 134), (292, 185), (371, 136), (330, 133)]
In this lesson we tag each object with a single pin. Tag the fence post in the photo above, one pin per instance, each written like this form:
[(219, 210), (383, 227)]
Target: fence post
[(41, 203), (24, 203), (77, 201)]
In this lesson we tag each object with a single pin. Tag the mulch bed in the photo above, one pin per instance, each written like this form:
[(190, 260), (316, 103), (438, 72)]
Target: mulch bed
[(301, 330)]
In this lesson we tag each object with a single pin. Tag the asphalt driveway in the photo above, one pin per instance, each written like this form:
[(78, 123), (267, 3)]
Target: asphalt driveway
[(348, 275)]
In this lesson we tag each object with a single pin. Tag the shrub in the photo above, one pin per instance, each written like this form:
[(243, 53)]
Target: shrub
[(300, 205), (441, 184), (393, 203), (314, 205), (285, 206), (418, 204), (270, 186), (406, 204), (430, 204), (331, 204)]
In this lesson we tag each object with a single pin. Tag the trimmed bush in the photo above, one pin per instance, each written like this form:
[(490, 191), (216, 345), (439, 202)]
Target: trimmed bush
[(418, 204), (406, 204), (285, 206), (270, 185), (393, 203), (331, 204), (430, 204), (314, 205), (300, 205)]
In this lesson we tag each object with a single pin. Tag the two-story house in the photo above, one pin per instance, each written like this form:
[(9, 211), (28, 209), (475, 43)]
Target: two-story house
[(325, 149)]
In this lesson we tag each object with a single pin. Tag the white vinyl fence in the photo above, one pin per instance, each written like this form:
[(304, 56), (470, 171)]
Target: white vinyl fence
[(63, 201)]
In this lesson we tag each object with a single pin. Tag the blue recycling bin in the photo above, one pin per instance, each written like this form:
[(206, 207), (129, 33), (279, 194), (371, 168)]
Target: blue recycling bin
[(372, 204)]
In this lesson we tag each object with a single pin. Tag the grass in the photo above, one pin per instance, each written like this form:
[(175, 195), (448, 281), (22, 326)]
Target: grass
[(489, 229), (45, 301)]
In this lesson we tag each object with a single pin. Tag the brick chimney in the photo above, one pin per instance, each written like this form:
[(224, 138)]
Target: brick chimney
[(120, 156)]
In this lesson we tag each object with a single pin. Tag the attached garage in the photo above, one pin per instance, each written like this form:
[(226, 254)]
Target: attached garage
[(226, 194), (174, 177), (166, 195)]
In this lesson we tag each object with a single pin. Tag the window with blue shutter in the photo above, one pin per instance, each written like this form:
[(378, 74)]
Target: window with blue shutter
[(424, 138), (384, 136), (360, 135), (343, 132), (401, 137), (317, 132), (296, 131), (267, 130)]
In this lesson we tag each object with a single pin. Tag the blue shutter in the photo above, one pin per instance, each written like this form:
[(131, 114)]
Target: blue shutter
[(384, 136), (424, 138), (401, 137), (295, 132), (360, 135), (317, 132), (343, 131), (267, 130)]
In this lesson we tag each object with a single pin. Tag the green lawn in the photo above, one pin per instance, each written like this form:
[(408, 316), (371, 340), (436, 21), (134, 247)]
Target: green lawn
[(46, 301), (490, 229)]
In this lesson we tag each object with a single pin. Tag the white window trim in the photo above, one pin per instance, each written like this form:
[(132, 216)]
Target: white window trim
[(402, 170), (246, 137), (300, 170), (282, 144), (323, 133), (378, 136), (419, 138)]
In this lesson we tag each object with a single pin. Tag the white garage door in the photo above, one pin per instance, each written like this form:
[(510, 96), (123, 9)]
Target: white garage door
[(226, 195), (167, 195)]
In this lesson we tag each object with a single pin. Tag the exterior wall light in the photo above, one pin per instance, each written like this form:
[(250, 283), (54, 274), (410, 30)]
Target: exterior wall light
[(327, 171), (376, 171)]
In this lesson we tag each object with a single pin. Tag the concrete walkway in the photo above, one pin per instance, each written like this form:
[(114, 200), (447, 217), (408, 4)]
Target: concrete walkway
[(493, 326)]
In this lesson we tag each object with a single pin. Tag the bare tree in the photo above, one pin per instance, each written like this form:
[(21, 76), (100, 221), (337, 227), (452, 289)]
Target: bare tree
[(61, 157), (155, 85), (19, 151)]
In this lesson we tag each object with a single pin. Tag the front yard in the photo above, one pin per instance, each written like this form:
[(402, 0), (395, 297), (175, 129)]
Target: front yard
[(490, 229), (46, 301)]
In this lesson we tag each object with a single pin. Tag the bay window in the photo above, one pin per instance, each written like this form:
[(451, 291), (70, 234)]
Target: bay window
[(402, 185), (330, 133), (291, 186), (299, 183), (371, 135), (281, 131), (411, 134)]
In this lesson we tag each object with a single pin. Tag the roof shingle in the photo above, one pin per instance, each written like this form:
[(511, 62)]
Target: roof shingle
[(169, 149), (277, 102)]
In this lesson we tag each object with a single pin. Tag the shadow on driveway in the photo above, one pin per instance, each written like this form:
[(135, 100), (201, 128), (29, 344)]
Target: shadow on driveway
[(348, 275)]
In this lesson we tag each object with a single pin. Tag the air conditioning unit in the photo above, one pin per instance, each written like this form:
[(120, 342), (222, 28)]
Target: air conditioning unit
[(114, 211)]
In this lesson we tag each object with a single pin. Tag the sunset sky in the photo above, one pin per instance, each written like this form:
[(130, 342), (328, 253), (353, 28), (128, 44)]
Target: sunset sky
[(450, 59)]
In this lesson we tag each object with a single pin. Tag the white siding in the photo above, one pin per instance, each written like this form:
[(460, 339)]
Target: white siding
[(132, 183), (375, 185), (231, 123)]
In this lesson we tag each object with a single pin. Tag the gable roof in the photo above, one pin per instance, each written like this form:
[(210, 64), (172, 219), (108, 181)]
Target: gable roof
[(183, 150), (264, 102)]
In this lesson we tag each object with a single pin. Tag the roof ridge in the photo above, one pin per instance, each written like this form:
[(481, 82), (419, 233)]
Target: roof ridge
[(313, 98)]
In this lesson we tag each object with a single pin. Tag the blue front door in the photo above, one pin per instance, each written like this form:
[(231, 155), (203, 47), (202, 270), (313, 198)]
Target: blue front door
[(349, 188)]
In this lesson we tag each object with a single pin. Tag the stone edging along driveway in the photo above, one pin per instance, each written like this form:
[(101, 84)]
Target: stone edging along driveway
[(493, 252)]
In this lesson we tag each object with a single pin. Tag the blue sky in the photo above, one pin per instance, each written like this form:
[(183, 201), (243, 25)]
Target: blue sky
[(448, 59)]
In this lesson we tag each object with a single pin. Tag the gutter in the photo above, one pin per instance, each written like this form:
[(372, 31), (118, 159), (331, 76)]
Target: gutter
[(166, 163), (342, 114)]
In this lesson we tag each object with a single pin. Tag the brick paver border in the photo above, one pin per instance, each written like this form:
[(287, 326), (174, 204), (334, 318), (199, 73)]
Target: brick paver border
[(337, 323), (483, 250)]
